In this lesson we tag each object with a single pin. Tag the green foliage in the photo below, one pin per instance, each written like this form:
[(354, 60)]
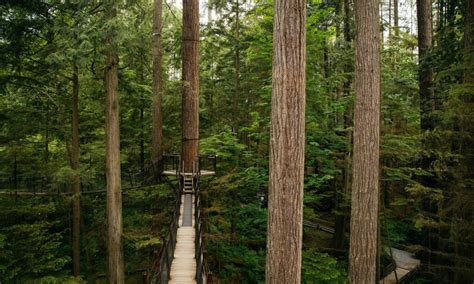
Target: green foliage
[(224, 144), (321, 268), (30, 244), (57, 280)]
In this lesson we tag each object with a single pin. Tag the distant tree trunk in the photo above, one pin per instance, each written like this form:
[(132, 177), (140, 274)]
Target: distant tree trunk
[(235, 110), (285, 194), (15, 171), (389, 19), (157, 52), (468, 70), (46, 139), (381, 23), (190, 99), (209, 13), (425, 73), (347, 21), (76, 180), (365, 170), (341, 218), (115, 272), (142, 120), (396, 28)]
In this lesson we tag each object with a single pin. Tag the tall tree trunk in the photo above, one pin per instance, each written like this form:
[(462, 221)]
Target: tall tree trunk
[(142, 120), (209, 13), (381, 23), (468, 68), (347, 21), (389, 19), (425, 75), (46, 138), (115, 272), (396, 28), (344, 208), (76, 180), (365, 170), (427, 104), (15, 170), (235, 110), (285, 194), (157, 53), (190, 99)]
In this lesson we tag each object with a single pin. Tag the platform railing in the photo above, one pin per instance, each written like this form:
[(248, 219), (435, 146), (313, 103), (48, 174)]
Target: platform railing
[(171, 162), (207, 162)]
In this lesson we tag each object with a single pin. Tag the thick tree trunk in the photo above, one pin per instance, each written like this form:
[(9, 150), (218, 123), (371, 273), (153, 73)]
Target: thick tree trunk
[(365, 170), (157, 52), (285, 197), (76, 180), (190, 100), (425, 75), (115, 272)]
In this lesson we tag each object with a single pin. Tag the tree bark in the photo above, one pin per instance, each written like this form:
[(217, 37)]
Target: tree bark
[(287, 141), (365, 170), (190, 99), (425, 73), (157, 53), (76, 180), (115, 272)]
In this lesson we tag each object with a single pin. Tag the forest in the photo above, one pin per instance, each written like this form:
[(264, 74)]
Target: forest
[(279, 141)]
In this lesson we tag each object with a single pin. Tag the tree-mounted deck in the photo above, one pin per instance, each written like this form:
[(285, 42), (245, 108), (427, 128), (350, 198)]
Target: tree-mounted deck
[(172, 165)]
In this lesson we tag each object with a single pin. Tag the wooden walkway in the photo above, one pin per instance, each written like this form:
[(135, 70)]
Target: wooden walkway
[(405, 263), (183, 267)]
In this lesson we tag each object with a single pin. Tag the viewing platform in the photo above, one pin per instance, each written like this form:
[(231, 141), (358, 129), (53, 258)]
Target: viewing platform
[(172, 165)]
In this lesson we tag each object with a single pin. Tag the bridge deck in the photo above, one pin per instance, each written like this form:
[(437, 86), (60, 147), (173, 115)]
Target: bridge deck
[(405, 263), (183, 267)]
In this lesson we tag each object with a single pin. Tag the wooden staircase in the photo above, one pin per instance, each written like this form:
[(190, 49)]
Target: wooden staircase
[(188, 183)]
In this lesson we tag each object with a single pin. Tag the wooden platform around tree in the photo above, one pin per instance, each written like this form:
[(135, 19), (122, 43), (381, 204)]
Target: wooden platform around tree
[(174, 173)]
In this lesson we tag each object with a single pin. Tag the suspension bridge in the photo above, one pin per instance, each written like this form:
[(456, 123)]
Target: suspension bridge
[(182, 259)]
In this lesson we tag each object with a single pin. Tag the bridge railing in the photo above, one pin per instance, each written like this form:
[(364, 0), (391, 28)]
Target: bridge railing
[(201, 268), (167, 253)]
